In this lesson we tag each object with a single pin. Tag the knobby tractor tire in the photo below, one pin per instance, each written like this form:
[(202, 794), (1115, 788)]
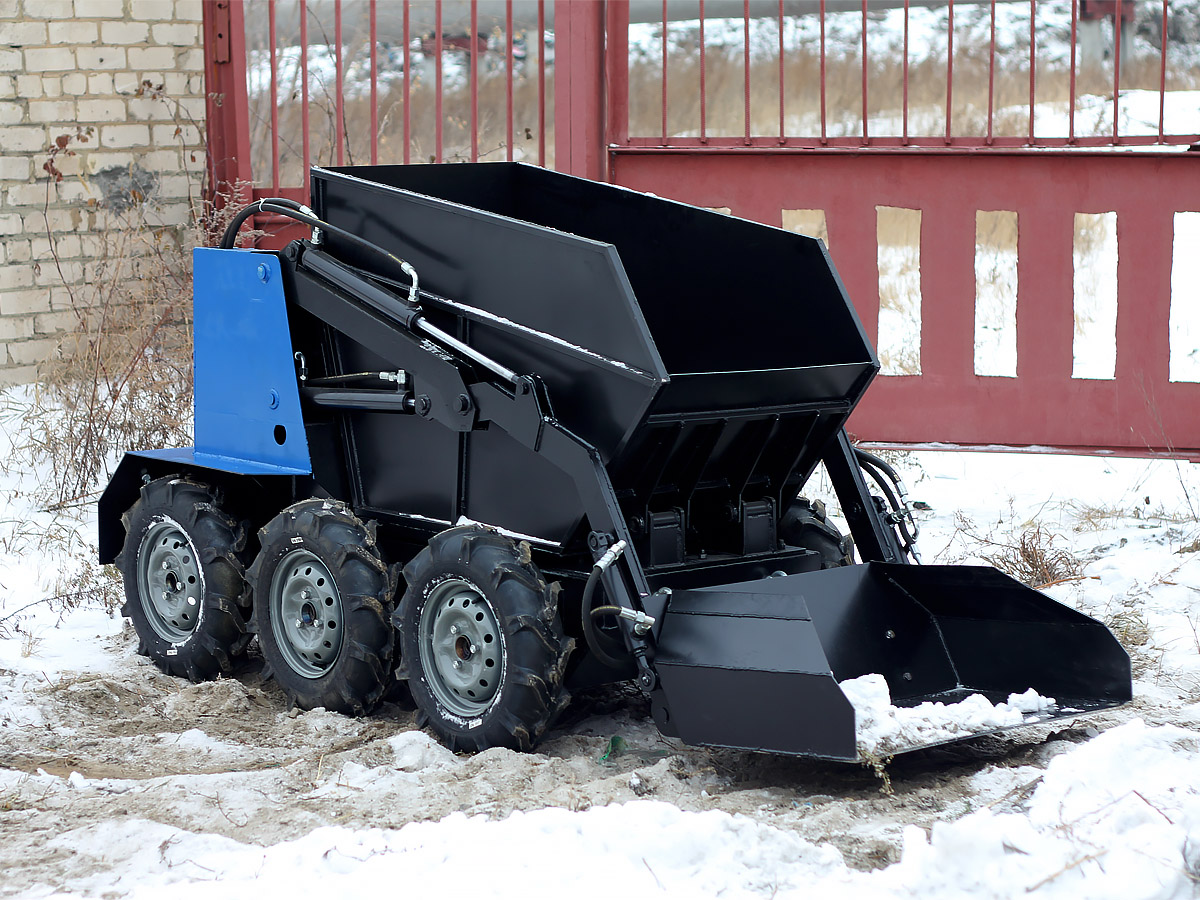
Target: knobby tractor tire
[(184, 576), (322, 608), (482, 646)]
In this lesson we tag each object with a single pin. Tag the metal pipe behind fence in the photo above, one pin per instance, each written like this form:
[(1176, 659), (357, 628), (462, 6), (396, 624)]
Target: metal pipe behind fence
[(703, 92), (373, 33), (306, 150), (339, 100), (992, 77), (949, 70), (473, 57), (272, 40), (1032, 63), (866, 131), (746, 65), (541, 82), (406, 25), (1117, 74), (438, 48), (508, 71), (1074, 45), (904, 99), (1162, 76)]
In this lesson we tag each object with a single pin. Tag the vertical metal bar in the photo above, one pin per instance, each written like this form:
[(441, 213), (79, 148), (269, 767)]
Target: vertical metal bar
[(372, 27), (949, 70), (992, 77), (866, 131), (305, 149), (664, 72), (1074, 43), (1117, 74), (272, 38), (782, 126), (407, 83), (1162, 76), (824, 137), (615, 64), (508, 72), (339, 100), (1032, 61), (904, 102), (437, 82), (541, 82), (703, 93), (746, 65), (473, 57)]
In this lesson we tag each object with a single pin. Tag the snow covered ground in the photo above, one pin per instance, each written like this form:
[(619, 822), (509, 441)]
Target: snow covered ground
[(118, 781)]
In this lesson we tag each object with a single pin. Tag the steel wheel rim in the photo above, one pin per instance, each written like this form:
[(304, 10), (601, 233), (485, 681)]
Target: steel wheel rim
[(170, 580), (306, 614), (461, 648)]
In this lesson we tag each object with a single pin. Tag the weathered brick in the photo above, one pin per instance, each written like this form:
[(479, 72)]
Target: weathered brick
[(98, 161), (147, 109), (61, 111), (33, 351), (151, 58), (52, 59), (177, 186), (50, 9), (173, 135), (124, 32), (11, 61), (10, 9), (15, 327), (15, 168), (24, 303), (99, 9), (169, 214), (56, 220), (8, 86), (73, 32), (190, 61), (29, 87), (107, 110), (66, 246), (18, 374), (75, 84), (16, 276), (188, 10), (67, 165), (17, 250), (125, 82), (124, 136), (23, 138), (68, 270), (11, 223), (11, 113), (101, 57), (22, 34), (176, 34), (53, 322), (150, 10), (26, 194), (161, 160), (52, 86)]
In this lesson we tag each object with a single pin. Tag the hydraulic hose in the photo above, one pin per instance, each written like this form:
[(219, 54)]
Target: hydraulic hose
[(293, 210), (594, 638), (888, 479)]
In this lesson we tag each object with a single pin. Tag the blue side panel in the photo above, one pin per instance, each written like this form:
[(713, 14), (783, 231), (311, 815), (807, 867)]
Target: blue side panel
[(247, 402), (190, 456)]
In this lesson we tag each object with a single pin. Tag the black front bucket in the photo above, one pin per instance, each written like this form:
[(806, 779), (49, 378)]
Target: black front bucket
[(757, 665)]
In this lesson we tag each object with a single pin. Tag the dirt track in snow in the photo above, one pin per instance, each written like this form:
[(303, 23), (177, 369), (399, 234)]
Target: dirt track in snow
[(228, 757)]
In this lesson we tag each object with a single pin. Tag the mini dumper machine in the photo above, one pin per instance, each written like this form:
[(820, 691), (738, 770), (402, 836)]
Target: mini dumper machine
[(499, 433)]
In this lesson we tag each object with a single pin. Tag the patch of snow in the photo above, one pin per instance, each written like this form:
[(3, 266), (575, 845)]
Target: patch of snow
[(884, 729)]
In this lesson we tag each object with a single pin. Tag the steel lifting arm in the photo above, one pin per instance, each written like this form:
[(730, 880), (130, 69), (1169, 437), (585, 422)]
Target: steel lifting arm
[(448, 390)]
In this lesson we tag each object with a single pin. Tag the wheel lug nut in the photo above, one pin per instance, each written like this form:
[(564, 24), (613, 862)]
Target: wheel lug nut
[(306, 594), (192, 602), (458, 664), (474, 649), (454, 629), (299, 623), (166, 565)]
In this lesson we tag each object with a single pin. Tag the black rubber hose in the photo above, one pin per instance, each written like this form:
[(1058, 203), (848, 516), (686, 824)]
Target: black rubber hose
[(293, 210), (881, 473), (590, 632)]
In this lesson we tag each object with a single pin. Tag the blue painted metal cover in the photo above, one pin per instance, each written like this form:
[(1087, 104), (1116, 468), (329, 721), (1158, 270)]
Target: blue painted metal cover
[(247, 402)]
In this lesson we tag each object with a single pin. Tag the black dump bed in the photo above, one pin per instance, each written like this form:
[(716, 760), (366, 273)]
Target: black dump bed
[(709, 359)]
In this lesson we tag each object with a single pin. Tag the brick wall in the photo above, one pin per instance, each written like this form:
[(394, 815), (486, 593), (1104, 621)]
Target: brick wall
[(101, 111)]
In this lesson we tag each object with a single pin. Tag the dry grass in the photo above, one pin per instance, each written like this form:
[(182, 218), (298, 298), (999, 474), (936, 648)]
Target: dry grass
[(1029, 553)]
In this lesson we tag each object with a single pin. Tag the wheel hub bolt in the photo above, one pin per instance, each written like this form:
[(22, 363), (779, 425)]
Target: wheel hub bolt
[(191, 601), (458, 664), (306, 594), (166, 565), (454, 629)]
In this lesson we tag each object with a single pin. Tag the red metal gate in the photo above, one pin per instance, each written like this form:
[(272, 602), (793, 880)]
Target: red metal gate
[(699, 119)]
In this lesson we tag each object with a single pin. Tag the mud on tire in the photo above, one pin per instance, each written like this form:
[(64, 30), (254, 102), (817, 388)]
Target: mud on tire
[(482, 646), (322, 607), (184, 576)]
